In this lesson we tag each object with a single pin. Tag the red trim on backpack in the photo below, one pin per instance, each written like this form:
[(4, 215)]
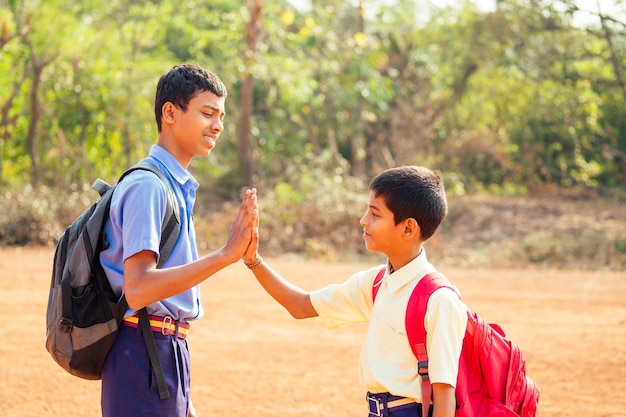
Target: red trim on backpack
[(376, 283)]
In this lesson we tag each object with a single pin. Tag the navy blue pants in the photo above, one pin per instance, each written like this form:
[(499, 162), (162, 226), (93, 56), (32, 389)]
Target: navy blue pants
[(129, 386), (408, 410)]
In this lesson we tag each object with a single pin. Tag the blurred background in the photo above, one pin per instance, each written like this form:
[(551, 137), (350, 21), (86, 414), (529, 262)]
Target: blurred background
[(518, 103)]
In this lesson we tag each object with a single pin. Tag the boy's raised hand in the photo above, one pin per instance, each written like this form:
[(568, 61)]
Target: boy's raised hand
[(252, 252), (241, 230)]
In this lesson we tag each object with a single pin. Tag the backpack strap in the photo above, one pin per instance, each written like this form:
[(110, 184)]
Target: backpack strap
[(170, 230), (377, 282), (148, 336), (416, 333), (414, 322)]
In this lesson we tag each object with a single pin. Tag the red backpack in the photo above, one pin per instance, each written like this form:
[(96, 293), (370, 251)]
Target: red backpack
[(492, 378)]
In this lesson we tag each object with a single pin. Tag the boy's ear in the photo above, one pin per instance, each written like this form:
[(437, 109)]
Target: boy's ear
[(167, 112), (411, 228)]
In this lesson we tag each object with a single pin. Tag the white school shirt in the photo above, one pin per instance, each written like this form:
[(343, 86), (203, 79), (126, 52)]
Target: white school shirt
[(387, 363)]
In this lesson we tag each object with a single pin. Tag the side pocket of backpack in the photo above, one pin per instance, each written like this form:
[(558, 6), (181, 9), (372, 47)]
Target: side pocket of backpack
[(492, 408)]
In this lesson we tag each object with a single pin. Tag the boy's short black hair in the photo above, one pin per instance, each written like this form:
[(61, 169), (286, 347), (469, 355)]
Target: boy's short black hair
[(181, 83), (413, 192)]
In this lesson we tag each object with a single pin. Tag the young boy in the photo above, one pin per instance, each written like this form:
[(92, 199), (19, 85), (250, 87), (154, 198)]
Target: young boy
[(406, 206), (189, 110)]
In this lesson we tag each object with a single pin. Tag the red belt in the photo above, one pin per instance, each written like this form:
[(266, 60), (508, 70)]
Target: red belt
[(167, 326)]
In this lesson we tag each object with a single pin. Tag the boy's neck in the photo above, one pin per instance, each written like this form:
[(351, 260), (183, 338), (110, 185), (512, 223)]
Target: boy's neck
[(400, 262), (166, 141)]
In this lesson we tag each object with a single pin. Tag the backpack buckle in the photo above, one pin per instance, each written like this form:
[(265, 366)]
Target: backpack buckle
[(422, 369), (66, 324)]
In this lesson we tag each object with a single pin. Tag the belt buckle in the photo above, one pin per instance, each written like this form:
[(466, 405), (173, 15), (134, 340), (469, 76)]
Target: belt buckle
[(167, 320), (374, 406)]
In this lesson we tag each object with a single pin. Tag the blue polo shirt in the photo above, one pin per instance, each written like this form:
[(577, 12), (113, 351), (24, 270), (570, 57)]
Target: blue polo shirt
[(137, 211)]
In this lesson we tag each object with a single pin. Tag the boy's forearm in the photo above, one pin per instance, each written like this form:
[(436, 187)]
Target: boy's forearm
[(444, 401), (295, 300), (144, 284)]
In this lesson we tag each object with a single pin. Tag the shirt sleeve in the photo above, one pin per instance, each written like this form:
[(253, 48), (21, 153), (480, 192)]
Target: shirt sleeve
[(349, 302), (445, 323), (142, 204)]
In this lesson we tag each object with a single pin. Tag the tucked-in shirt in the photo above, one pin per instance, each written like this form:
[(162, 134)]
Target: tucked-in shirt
[(137, 210), (387, 363)]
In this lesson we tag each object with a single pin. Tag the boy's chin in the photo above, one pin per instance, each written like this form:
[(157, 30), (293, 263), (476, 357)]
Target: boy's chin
[(371, 248)]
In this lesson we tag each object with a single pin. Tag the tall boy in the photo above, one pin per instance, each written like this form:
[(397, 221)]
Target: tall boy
[(406, 206), (189, 111)]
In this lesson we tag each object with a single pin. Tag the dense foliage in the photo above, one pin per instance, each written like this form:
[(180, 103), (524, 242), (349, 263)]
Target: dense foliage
[(502, 99), (322, 95)]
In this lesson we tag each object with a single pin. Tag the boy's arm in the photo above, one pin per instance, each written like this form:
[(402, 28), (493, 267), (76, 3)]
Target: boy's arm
[(144, 284), (295, 300), (446, 322), (444, 401)]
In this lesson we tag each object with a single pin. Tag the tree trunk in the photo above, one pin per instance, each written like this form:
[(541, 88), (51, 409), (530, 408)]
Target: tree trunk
[(244, 140), (6, 124), (243, 130), (35, 113)]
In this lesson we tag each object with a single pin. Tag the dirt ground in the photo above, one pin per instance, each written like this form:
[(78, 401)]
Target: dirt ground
[(250, 358)]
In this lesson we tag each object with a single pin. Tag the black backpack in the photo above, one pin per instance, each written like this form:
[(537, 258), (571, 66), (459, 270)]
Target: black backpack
[(84, 316)]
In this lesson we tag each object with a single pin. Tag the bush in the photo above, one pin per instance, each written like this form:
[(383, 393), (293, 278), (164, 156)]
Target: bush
[(319, 219), (317, 216), (579, 250), (37, 216)]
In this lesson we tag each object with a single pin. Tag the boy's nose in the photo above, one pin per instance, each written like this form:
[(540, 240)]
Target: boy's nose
[(218, 125)]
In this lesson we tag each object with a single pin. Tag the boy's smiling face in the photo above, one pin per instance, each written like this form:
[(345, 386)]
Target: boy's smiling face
[(194, 132), (380, 232), (200, 126)]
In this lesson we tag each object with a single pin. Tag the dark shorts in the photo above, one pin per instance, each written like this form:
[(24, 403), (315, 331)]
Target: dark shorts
[(409, 410), (128, 381), (388, 405)]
